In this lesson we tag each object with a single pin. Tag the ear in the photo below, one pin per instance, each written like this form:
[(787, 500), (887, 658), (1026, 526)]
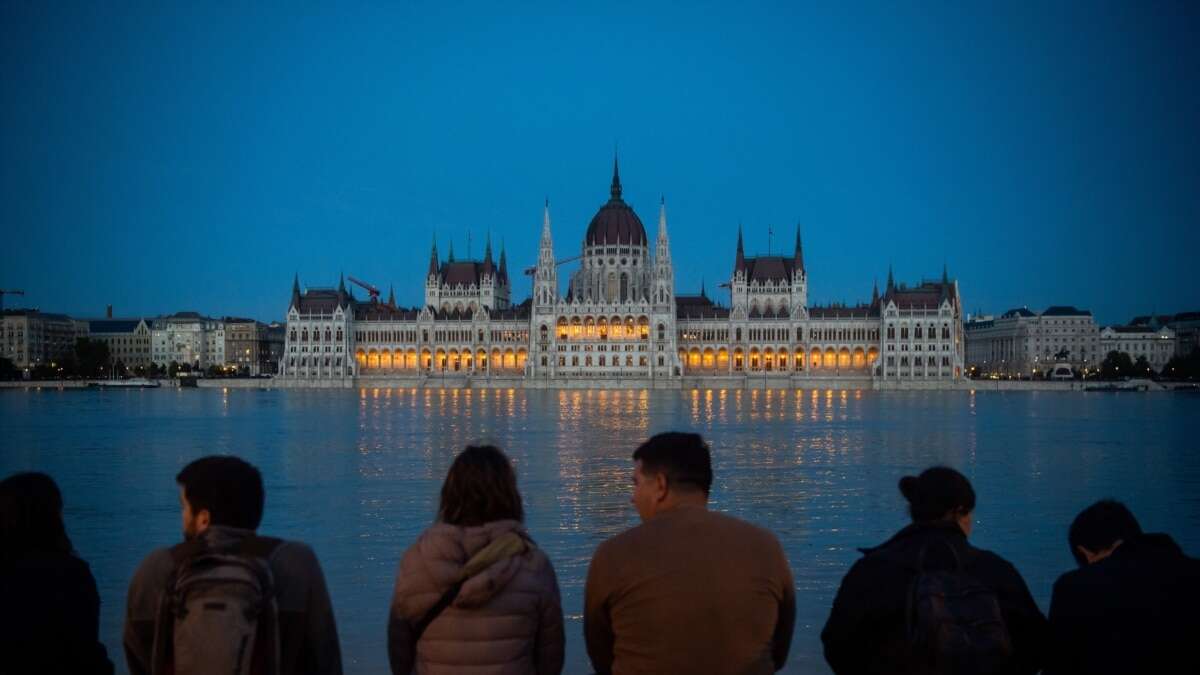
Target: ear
[(203, 520), (661, 486)]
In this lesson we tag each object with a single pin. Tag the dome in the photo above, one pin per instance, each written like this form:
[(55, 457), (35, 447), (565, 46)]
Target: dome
[(615, 223)]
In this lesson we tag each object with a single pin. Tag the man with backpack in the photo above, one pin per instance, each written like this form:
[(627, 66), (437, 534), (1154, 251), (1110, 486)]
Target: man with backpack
[(1131, 605), (226, 599), (927, 602)]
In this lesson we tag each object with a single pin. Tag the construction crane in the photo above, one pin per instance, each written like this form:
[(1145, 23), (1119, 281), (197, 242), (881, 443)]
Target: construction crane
[(530, 271), (371, 290), (4, 292)]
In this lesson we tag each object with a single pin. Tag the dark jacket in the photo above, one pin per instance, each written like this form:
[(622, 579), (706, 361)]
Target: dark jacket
[(506, 619), (866, 631), (308, 638), (1135, 611), (50, 617)]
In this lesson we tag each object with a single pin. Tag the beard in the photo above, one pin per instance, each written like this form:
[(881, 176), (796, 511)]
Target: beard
[(189, 530)]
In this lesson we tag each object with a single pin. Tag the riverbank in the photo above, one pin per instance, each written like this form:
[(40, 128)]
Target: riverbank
[(745, 382)]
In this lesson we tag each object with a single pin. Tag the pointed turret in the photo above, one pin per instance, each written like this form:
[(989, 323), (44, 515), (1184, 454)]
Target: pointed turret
[(391, 296), (615, 190), (702, 293), (945, 283), (875, 292), (891, 282), (433, 259), (546, 222), (295, 292), (342, 298), (740, 263), (798, 259), (450, 256), (503, 274), (662, 218), (488, 267)]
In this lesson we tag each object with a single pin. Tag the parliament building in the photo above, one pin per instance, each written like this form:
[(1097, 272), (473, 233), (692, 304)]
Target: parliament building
[(621, 320)]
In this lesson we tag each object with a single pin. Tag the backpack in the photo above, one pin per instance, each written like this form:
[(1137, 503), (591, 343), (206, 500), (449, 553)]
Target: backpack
[(218, 614), (954, 623)]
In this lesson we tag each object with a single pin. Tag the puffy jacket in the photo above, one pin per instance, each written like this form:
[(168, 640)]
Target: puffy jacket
[(506, 619), (866, 631)]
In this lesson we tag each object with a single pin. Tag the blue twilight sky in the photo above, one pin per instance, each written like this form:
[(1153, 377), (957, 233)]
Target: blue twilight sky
[(169, 157)]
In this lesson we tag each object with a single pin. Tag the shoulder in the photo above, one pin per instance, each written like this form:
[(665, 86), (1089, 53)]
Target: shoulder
[(293, 560), (994, 570), (156, 565)]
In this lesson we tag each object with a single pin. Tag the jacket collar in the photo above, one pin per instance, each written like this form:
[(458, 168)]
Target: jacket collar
[(935, 529)]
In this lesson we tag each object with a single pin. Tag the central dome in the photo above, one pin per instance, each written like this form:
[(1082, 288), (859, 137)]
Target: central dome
[(615, 223)]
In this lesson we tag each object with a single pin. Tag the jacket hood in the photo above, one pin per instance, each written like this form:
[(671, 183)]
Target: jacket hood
[(223, 536), (448, 548), (942, 542)]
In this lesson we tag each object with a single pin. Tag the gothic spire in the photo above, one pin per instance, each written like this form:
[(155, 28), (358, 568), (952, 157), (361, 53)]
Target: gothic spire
[(740, 262), (392, 296), (295, 291), (451, 254), (488, 267), (875, 292), (798, 260), (433, 258), (891, 282), (615, 191), (546, 223), (503, 263), (342, 291), (662, 218)]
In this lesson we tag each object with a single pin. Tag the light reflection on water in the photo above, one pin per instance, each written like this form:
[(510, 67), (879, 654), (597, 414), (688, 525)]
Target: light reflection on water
[(357, 473)]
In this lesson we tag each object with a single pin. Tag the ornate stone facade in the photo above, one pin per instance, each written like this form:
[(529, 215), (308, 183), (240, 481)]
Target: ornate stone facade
[(621, 319)]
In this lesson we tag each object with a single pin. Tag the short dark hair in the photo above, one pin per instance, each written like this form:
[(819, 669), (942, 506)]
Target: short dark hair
[(31, 517), (1099, 526), (481, 487), (683, 458), (230, 488), (936, 492)]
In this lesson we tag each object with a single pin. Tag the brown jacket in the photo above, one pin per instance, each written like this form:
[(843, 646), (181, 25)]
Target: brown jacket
[(689, 591), (506, 619)]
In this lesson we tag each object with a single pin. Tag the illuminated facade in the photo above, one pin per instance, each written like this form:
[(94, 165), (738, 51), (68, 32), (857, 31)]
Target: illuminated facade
[(621, 319)]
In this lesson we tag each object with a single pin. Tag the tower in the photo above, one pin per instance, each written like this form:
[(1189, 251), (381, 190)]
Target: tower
[(664, 274)]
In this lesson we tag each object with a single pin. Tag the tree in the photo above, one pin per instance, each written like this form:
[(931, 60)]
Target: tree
[(92, 355), (1116, 365), (1142, 368), (1183, 367), (172, 369), (8, 371)]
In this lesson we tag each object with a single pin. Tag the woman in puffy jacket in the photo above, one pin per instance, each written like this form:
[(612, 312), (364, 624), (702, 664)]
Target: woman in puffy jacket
[(473, 594)]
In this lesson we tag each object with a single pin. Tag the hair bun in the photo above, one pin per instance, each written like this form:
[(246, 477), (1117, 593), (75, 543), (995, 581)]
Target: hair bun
[(908, 488)]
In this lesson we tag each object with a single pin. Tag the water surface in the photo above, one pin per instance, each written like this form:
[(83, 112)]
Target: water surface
[(356, 475)]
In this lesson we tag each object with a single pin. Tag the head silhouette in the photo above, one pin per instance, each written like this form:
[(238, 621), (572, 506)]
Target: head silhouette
[(220, 490), (31, 516), (480, 487), (939, 493), (1099, 529)]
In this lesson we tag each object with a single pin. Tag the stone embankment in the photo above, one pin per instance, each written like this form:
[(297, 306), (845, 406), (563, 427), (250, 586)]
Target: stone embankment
[(684, 383)]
